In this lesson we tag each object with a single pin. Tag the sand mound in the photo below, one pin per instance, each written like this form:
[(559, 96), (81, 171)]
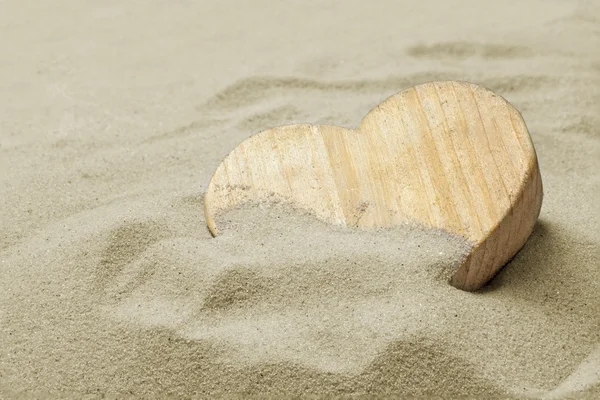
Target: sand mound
[(283, 304)]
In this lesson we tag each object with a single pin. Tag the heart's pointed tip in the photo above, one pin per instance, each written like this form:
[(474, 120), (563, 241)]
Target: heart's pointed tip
[(464, 286)]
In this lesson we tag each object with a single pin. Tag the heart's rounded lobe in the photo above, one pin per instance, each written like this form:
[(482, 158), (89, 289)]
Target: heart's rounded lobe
[(447, 155)]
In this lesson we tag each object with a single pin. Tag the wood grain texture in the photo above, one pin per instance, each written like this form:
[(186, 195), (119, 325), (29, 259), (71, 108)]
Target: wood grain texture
[(448, 155)]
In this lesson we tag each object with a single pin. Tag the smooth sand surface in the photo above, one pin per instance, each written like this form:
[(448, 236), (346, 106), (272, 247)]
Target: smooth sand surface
[(113, 115)]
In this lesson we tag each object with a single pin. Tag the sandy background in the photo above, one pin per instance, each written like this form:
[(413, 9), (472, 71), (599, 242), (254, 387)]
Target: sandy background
[(113, 116)]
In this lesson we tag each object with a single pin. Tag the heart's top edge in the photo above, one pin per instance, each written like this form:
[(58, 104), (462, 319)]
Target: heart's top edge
[(428, 84), (440, 84)]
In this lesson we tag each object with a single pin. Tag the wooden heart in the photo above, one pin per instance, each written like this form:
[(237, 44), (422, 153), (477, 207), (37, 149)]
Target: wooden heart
[(447, 155)]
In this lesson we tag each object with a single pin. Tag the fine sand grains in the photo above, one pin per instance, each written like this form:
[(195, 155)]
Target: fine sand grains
[(281, 303), (114, 114)]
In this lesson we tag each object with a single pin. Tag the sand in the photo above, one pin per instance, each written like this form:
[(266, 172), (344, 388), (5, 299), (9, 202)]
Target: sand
[(113, 117)]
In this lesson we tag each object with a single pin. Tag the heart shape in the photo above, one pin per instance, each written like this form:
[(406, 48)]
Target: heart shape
[(448, 155)]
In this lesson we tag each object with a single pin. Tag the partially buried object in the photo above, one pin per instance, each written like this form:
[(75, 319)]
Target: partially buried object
[(447, 155)]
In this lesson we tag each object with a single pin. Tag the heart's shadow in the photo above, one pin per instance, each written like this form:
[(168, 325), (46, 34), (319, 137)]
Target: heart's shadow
[(553, 264)]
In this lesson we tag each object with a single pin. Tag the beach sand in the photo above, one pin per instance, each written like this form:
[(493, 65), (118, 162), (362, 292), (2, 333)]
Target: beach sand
[(114, 116)]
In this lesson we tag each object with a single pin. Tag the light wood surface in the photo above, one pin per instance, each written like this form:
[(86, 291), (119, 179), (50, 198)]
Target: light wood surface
[(448, 155)]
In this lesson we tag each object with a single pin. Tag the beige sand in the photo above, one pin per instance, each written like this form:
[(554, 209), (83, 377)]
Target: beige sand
[(113, 116)]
